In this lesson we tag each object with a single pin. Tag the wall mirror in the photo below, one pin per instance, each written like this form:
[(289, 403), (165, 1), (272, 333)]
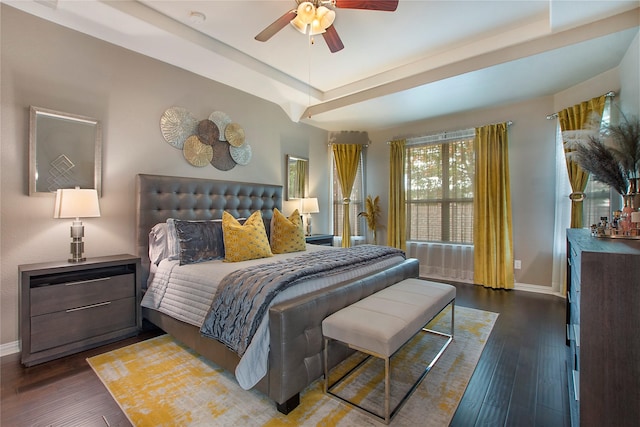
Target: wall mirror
[(297, 177), (65, 151)]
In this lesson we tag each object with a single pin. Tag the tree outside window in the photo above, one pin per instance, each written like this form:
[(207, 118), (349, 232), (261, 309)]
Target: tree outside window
[(440, 191)]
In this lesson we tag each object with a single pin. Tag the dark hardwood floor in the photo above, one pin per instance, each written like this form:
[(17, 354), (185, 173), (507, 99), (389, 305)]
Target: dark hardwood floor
[(520, 379)]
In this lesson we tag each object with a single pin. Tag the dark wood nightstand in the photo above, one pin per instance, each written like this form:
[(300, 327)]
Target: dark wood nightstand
[(320, 239), (70, 307)]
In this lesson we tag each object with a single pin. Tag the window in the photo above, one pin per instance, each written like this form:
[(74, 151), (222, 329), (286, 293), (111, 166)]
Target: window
[(599, 196), (357, 200), (439, 182)]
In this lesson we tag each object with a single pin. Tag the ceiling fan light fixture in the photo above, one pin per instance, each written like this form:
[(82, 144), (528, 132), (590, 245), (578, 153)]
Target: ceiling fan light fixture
[(316, 31), (326, 17), (316, 27), (306, 12), (299, 25)]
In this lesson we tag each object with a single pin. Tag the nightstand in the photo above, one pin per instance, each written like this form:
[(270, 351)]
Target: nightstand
[(320, 239), (70, 307)]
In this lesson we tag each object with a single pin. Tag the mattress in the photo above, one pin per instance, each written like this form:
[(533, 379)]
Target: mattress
[(185, 292)]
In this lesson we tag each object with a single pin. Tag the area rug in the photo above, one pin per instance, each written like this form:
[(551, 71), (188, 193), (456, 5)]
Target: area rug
[(159, 382)]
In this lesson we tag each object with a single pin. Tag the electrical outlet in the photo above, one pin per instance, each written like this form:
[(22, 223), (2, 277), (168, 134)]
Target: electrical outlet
[(517, 264)]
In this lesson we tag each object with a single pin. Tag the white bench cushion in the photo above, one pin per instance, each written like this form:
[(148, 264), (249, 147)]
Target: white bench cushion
[(384, 321)]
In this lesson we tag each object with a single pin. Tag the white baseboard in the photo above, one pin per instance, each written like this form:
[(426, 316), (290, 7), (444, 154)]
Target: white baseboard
[(547, 290), (537, 289), (9, 348)]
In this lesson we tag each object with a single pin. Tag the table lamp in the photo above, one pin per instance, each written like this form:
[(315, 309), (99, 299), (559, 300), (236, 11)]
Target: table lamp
[(76, 203), (309, 206)]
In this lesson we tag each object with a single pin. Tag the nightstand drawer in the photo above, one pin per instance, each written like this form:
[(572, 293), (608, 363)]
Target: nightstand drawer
[(64, 327), (70, 307), (65, 296)]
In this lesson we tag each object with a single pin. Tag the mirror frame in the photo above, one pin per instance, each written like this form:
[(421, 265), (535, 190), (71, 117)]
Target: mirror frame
[(71, 131), (305, 191)]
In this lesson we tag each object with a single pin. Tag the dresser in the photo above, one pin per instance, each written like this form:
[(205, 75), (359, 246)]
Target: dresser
[(603, 330), (69, 307)]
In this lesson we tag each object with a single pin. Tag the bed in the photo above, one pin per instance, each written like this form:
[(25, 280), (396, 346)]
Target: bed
[(292, 323)]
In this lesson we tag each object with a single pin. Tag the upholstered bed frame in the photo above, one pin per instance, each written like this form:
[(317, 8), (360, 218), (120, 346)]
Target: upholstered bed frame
[(295, 354)]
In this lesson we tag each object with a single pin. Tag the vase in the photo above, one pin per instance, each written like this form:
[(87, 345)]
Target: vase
[(375, 236), (631, 204)]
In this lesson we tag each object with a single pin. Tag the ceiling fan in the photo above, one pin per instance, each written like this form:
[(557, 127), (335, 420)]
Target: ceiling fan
[(314, 17)]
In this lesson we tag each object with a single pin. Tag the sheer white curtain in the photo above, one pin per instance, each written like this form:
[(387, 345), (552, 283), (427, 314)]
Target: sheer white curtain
[(562, 218), (598, 202)]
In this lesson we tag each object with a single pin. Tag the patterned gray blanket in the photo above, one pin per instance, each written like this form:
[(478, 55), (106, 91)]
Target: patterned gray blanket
[(243, 296)]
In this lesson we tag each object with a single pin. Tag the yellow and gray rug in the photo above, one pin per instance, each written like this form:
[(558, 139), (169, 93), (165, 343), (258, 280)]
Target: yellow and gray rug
[(159, 382)]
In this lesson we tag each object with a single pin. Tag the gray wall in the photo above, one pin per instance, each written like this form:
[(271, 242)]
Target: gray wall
[(49, 66)]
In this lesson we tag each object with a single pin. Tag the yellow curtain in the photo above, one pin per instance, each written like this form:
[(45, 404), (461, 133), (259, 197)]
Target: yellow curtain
[(574, 118), (492, 223), (397, 223), (347, 158)]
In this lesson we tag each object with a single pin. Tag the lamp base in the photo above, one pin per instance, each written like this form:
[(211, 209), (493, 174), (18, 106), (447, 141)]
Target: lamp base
[(77, 245), (308, 232)]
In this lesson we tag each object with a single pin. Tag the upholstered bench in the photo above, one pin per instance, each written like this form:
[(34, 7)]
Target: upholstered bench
[(380, 324)]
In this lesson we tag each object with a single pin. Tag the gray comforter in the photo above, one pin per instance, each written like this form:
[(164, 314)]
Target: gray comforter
[(243, 296)]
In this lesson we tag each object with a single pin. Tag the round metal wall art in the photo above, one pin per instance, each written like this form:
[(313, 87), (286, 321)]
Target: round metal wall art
[(222, 156), (217, 140), (241, 155), (197, 153), (176, 125), (234, 134), (208, 132), (221, 120)]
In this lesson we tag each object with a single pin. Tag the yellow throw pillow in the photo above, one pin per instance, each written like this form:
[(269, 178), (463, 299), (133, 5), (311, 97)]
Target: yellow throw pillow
[(287, 234), (244, 242)]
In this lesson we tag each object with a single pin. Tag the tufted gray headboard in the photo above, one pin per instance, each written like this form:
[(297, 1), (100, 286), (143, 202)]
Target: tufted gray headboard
[(161, 197)]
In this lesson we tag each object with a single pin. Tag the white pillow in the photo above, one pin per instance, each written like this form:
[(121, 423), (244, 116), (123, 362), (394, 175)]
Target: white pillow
[(173, 243), (158, 243)]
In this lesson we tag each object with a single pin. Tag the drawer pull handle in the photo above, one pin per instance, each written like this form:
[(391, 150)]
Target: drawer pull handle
[(80, 282), (88, 306)]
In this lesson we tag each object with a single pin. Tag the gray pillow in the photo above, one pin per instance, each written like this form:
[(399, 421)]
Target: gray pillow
[(199, 240)]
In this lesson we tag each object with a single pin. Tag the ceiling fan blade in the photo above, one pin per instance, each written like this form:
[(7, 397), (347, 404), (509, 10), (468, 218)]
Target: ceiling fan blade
[(333, 39), (384, 5), (277, 25)]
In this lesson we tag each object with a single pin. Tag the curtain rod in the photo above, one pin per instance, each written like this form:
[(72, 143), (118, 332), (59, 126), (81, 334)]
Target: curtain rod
[(443, 136), (340, 143), (610, 94)]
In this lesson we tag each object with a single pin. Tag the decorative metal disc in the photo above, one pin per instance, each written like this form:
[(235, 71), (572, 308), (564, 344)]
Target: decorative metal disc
[(234, 134), (177, 124), (241, 155), (221, 120), (208, 132), (222, 157), (197, 153)]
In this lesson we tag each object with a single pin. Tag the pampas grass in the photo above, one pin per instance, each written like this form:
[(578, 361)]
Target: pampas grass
[(627, 138), (613, 157), (602, 164), (372, 214)]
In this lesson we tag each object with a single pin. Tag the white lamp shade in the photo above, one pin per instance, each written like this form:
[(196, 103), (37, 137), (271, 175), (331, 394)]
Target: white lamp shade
[(306, 12), (326, 17), (299, 25), (76, 203), (310, 205), (315, 28)]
